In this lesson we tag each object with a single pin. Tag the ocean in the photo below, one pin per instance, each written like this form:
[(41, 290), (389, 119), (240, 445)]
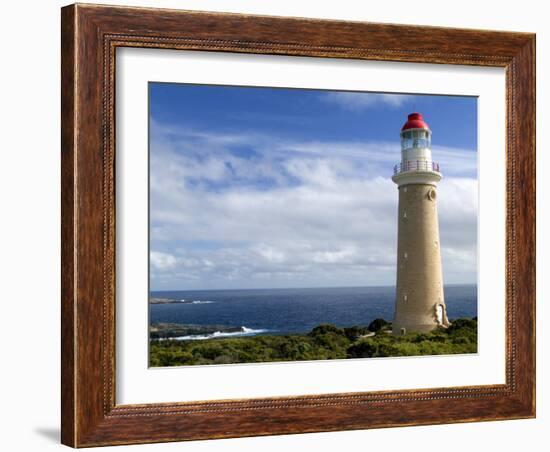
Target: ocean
[(283, 311)]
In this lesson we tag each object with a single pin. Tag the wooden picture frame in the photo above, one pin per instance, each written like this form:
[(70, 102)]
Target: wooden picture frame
[(90, 36)]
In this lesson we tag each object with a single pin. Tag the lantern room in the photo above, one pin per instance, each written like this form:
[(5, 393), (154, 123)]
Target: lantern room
[(416, 154), (415, 133)]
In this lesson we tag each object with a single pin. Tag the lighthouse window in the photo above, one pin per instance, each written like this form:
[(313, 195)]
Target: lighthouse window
[(415, 139), (422, 139), (406, 141)]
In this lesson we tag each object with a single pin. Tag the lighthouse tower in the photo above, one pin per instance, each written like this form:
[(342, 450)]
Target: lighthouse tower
[(419, 301)]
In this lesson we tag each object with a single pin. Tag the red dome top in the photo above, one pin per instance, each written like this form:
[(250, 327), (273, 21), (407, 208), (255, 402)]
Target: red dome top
[(415, 121)]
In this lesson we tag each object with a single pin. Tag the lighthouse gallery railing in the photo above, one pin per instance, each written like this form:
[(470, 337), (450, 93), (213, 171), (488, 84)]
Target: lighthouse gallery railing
[(416, 165)]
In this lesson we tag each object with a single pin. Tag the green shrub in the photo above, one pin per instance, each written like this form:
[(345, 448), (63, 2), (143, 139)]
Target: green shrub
[(364, 349), (326, 328), (378, 325), (355, 332)]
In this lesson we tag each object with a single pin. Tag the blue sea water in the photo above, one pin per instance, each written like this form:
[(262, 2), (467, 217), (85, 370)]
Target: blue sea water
[(282, 311)]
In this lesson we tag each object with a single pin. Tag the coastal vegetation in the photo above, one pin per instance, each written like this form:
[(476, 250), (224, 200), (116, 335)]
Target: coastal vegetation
[(323, 342)]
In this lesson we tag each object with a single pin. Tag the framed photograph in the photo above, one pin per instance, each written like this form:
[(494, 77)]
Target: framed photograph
[(281, 225)]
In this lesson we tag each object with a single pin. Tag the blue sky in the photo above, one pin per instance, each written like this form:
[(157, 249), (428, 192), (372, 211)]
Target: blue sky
[(266, 187)]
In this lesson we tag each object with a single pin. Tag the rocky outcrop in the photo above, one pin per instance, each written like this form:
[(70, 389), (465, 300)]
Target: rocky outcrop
[(169, 330)]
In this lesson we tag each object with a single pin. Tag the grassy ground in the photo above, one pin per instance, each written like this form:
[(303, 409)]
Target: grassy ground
[(323, 342)]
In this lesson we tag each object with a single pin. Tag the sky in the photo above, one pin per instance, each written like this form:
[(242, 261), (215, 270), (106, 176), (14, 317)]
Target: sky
[(274, 187)]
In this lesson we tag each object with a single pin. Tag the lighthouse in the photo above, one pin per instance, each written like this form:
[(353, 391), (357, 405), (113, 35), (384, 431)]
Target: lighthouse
[(419, 300)]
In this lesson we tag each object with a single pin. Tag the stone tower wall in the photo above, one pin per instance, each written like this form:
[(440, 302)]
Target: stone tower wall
[(419, 288)]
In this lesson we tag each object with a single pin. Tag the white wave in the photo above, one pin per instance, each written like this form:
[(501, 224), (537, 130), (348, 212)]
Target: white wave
[(218, 334), (184, 301)]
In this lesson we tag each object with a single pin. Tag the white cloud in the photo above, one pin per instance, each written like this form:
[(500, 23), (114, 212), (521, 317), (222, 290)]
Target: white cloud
[(361, 101), (162, 261), (456, 162), (270, 254), (292, 213)]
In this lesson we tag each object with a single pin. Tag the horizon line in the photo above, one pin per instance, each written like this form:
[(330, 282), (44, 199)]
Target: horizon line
[(292, 288)]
